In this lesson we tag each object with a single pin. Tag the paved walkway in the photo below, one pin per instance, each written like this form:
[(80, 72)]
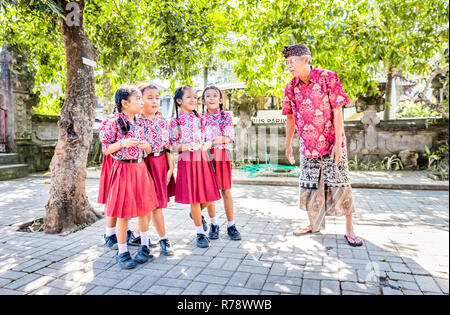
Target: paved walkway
[(406, 250)]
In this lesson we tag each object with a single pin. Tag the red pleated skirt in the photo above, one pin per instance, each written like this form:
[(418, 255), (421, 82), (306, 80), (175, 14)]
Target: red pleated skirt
[(131, 191), (104, 179), (221, 160), (195, 181), (157, 166)]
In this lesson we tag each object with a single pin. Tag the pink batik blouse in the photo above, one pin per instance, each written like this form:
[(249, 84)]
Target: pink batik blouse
[(187, 128), (157, 132), (219, 124), (312, 106), (111, 133)]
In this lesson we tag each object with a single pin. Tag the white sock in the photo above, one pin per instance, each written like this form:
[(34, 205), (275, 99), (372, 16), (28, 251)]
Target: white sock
[(230, 223), (163, 238), (110, 231), (135, 235), (200, 230), (123, 248), (213, 221), (144, 238)]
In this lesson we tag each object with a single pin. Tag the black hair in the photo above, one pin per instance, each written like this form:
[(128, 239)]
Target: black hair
[(179, 96), (144, 86), (213, 87), (123, 93)]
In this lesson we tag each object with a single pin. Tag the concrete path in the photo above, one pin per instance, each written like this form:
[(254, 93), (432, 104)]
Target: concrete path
[(406, 250)]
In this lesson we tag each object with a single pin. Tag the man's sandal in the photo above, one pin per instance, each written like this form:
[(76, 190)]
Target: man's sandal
[(302, 231), (353, 240)]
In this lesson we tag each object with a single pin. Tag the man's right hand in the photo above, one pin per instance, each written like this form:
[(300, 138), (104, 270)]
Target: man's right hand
[(289, 154)]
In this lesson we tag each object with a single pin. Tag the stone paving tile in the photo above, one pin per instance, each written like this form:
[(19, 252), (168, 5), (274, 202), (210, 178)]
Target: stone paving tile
[(256, 281), (195, 288), (98, 290), (328, 287), (129, 282), (239, 279), (173, 282), (282, 288), (116, 291), (407, 285), (269, 260), (157, 289), (400, 276), (359, 287), (230, 290), (22, 281), (427, 284), (9, 292), (34, 285), (144, 284), (443, 284), (310, 287), (12, 275), (45, 290)]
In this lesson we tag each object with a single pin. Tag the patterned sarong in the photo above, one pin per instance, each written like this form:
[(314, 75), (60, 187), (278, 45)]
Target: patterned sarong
[(325, 189)]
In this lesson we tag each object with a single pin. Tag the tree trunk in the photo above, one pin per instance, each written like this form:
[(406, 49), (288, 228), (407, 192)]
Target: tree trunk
[(205, 77), (388, 94), (68, 204)]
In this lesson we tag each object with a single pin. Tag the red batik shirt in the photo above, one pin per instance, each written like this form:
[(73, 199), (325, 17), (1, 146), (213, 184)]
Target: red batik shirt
[(187, 128), (111, 133), (219, 124), (157, 132), (312, 105)]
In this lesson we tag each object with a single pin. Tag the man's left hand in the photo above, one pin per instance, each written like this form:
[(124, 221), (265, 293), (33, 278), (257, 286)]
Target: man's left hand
[(336, 153)]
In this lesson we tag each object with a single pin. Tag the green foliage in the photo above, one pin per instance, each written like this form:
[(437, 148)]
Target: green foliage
[(35, 40), (410, 109), (95, 156), (438, 160), (435, 156), (388, 163), (49, 105), (391, 163), (141, 40), (353, 38)]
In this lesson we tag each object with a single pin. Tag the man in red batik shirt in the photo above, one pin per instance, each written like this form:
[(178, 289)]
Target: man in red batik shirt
[(313, 102)]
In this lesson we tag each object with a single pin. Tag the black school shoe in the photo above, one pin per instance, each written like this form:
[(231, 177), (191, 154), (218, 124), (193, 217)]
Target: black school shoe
[(202, 240), (214, 232), (205, 225), (125, 261), (111, 241), (136, 241), (143, 255), (166, 247), (234, 233)]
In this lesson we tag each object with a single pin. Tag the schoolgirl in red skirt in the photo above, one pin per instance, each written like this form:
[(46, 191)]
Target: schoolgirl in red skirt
[(159, 162), (131, 191), (106, 164), (195, 183), (220, 131), (110, 233)]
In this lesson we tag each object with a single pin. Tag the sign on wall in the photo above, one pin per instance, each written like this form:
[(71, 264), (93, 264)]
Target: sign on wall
[(269, 117)]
